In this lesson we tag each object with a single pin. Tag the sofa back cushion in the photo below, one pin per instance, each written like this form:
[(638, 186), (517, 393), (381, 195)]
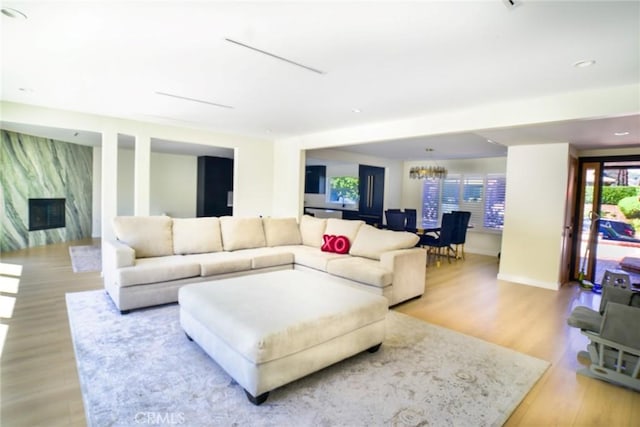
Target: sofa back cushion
[(312, 230), (149, 236), (281, 231), (241, 233), (196, 235), (343, 227), (372, 242)]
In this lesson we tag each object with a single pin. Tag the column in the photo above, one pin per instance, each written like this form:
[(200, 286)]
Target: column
[(142, 173), (109, 177)]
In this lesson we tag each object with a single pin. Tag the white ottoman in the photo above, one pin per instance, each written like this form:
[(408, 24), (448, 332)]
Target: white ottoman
[(269, 329)]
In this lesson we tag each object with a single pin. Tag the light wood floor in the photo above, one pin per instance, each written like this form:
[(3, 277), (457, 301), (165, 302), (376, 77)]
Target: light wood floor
[(40, 383)]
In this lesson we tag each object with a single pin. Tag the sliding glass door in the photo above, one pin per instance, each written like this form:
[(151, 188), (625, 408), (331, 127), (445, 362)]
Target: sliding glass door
[(609, 215)]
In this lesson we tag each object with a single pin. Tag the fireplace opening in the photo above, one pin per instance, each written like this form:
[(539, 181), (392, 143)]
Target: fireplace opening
[(46, 213)]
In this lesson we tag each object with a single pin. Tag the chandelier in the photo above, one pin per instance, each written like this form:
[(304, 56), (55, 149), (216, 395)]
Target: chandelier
[(428, 172)]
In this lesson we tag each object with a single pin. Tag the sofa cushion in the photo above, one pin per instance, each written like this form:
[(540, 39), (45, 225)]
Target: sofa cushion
[(281, 231), (372, 242), (361, 270), (343, 227), (312, 257), (241, 233), (159, 269), (196, 235), (149, 236), (222, 262), (311, 230), (269, 257)]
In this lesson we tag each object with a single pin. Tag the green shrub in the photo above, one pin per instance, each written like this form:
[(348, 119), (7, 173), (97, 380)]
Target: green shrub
[(588, 194), (630, 207), (613, 195)]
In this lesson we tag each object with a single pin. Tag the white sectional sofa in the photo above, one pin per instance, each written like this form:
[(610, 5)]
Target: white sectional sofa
[(154, 256)]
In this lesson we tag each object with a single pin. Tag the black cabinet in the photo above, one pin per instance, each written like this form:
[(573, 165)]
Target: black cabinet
[(315, 179), (215, 185), (371, 187)]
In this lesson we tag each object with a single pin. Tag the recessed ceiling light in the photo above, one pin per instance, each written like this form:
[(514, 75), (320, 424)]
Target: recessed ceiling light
[(13, 13), (584, 63), (356, 110), (621, 133)]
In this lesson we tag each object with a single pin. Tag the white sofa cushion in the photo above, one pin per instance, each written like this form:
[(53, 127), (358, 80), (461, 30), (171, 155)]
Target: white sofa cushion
[(242, 233), (311, 230), (372, 242), (312, 257), (196, 235), (361, 270), (222, 262), (149, 236), (160, 269), (343, 227), (281, 231)]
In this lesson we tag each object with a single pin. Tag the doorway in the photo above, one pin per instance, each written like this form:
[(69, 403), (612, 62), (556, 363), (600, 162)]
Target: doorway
[(608, 217)]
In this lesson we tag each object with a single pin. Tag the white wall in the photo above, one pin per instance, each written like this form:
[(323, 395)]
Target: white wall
[(253, 157), (173, 182), (537, 179), (126, 172), (174, 185), (478, 241)]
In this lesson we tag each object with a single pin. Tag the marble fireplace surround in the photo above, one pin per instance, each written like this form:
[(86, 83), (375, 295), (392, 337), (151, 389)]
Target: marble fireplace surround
[(40, 168)]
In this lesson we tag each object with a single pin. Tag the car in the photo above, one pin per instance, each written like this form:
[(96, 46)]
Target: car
[(616, 230)]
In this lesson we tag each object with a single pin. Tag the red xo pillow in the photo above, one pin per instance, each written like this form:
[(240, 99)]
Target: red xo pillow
[(337, 244)]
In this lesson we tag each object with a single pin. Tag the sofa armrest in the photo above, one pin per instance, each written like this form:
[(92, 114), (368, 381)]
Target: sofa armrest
[(408, 266), (117, 254)]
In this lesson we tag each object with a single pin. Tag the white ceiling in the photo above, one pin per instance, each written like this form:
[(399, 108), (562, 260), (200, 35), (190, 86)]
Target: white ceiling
[(389, 59)]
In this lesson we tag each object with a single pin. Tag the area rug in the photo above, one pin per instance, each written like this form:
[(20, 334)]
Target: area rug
[(140, 368), (85, 258)]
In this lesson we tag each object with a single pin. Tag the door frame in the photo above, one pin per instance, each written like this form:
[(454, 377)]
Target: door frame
[(596, 207), (569, 223)]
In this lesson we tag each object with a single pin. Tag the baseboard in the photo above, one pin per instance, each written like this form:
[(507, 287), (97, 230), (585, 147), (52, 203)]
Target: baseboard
[(481, 251), (528, 281)]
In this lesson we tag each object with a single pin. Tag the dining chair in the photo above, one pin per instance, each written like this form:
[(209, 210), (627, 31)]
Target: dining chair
[(436, 245), (411, 220), (460, 234), (396, 220)]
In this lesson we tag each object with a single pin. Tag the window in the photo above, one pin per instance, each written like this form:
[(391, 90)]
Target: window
[(450, 199), (344, 190), (472, 198), (430, 203), (495, 195), (482, 195)]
